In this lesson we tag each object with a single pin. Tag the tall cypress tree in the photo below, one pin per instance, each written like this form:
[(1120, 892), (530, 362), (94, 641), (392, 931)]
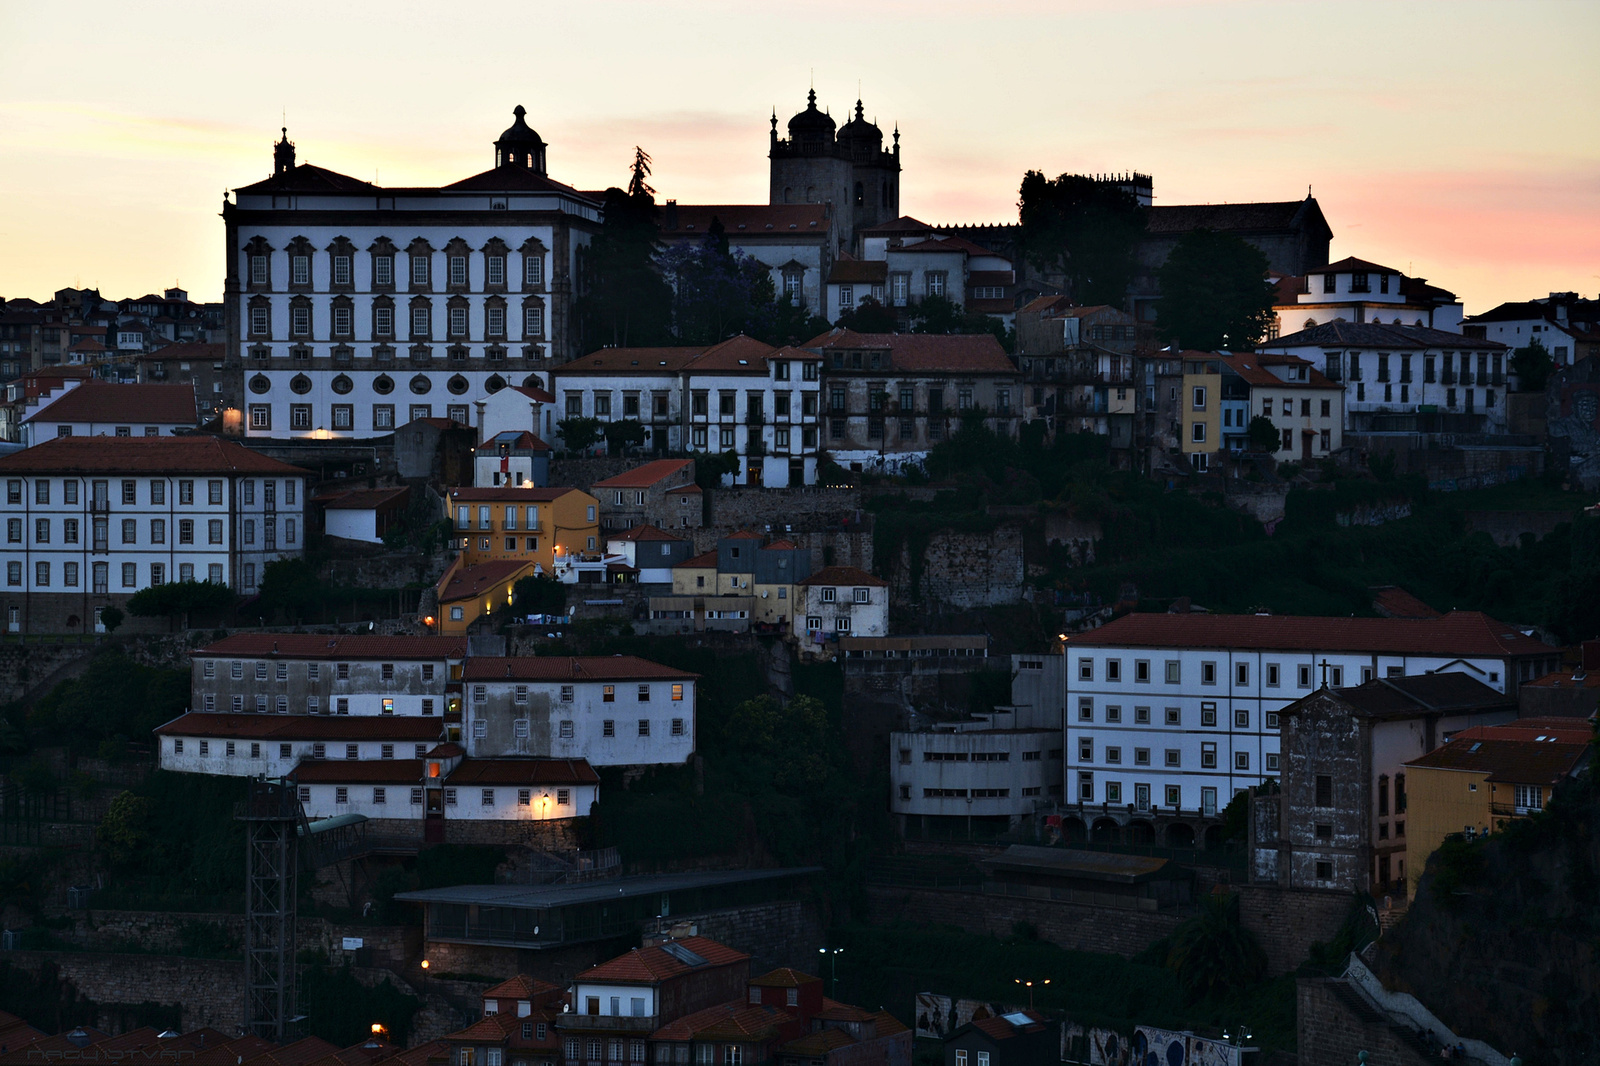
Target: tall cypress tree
[(625, 301)]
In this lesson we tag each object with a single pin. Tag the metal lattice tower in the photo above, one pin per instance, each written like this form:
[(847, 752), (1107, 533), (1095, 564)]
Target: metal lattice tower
[(271, 814)]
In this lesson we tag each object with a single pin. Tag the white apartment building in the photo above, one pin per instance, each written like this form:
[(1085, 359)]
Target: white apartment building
[(270, 745), (608, 710), (1303, 405), (442, 787), (1404, 378), (987, 773), (1564, 323), (1170, 712), (94, 408), (89, 524), (318, 674), (1358, 291), (740, 395), (353, 308)]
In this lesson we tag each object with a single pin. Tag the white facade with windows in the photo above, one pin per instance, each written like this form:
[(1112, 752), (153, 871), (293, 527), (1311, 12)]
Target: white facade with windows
[(353, 309), (87, 524), (1358, 291), (610, 711), (1181, 711), (839, 601), (520, 791)]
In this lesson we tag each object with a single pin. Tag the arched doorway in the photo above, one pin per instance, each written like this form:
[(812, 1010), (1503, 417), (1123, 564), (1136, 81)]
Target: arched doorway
[(1073, 831), (1180, 835), (1141, 832), (1105, 831), (1213, 837)]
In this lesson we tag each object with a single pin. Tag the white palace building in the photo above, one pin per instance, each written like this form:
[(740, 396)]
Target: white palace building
[(354, 308)]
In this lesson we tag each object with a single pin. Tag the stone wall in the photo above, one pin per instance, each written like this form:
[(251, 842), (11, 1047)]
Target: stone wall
[(1333, 1027), (34, 668), (581, 473), (1074, 926), (806, 509), (1079, 534), (210, 992), (964, 570), (828, 547), (1506, 528), (1288, 921)]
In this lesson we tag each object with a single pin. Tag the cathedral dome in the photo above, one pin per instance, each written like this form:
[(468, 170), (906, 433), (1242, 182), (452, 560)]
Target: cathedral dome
[(811, 123), (519, 145), (859, 130)]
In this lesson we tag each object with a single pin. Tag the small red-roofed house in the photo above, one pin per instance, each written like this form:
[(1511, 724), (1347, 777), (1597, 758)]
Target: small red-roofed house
[(647, 495), (839, 601), (1017, 1038)]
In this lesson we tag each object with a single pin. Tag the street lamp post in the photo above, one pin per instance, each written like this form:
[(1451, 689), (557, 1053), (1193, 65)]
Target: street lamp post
[(832, 955), (1240, 1036), (424, 978), (1029, 986)]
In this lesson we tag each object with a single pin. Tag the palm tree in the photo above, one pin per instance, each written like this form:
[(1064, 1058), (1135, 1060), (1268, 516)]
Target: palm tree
[(1213, 951)]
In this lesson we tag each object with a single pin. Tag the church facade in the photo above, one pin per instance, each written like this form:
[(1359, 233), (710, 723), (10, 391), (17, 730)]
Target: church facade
[(353, 308)]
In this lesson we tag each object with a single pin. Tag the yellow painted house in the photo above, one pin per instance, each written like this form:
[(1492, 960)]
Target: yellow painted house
[(468, 592), (1200, 406), (1486, 776), (515, 524)]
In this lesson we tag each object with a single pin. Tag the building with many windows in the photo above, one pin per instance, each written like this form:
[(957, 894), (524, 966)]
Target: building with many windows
[(1172, 714), (88, 524), (523, 524), (662, 493), (354, 308), (95, 408), (839, 601), (1304, 407), (1358, 291), (608, 710)]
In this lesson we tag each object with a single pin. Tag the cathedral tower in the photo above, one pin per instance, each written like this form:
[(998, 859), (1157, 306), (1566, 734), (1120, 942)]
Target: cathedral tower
[(847, 168)]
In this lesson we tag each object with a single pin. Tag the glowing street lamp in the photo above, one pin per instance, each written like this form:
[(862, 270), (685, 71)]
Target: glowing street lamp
[(1029, 986)]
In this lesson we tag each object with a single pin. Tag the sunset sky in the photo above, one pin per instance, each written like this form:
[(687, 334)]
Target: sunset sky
[(1458, 141)]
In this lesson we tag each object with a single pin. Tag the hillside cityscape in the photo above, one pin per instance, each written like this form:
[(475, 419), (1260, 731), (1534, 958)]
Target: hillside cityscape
[(1099, 636)]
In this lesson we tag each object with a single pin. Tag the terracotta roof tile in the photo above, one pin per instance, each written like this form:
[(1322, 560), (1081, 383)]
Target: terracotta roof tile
[(366, 499), (784, 977), (645, 532), (522, 986), (707, 561), (843, 575), (141, 455), (359, 772), (903, 224), (251, 726), (642, 477), (325, 646), (510, 494), (198, 351), (1459, 633), (1517, 761), (628, 360), (518, 440), (1373, 335), (736, 355), (524, 772), (1352, 264), (733, 1020), (743, 220), (858, 272), (959, 353), (571, 668), (533, 393), (655, 964), (470, 582), (1392, 601)]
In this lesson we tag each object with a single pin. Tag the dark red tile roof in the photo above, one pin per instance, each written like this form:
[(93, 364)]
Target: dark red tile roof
[(1459, 633), (533, 393), (902, 225), (736, 355), (470, 582), (366, 499), (858, 272), (522, 986), (144, 455), (627, 360), (1250, 369), (102, 401), (308, 178), (649, 965), (571, 668), (1391, 601), (512, 179), (997, 1028), (329, 727), (642, 477), (843, 575), (325, 646), (978, 353), (359, 772), (1351, 264), (745, 220), (1177, 219), (784, 977), (707, 561), (198, 351), (1566, 679), (735, 1020), (643, 533), (1510, 759)]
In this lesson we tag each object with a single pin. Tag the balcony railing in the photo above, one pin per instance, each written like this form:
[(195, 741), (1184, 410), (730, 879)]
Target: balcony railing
[(100, 506)]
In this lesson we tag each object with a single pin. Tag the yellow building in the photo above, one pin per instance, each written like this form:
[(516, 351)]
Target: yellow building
[(1200, 407), (1486, 776), (523, 525), (469, 592)]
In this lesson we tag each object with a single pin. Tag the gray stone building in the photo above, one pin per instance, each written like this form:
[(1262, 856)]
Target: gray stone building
[(890, 397), (846, 166), (1341, 813), (662, 493)]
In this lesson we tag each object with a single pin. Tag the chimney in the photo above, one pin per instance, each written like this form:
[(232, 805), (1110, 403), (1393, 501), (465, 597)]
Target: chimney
[(669, 215)]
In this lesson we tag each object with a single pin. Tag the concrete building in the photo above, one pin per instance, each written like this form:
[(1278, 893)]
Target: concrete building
[(1483, 778), (988, 773), (1078, 369), (606, 710), (100, 409), (525, 408), (651, 494), (1018, 1038), (89, 525), (1355, 290), (891, 397), (1406, 379), (1170, 715), (839, 601), (1304, 407), (1201, 404), (1342, 809), (353, 308)]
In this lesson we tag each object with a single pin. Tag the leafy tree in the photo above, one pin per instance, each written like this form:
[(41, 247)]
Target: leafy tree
[(541, 594), (1215, 293), (786, 322), (1084, 229), (622, 435), (1261, 435), (1213, 953), (709, 469), (580, 433), (939, 314), (178, 598), (869, 316), (626, 301), (114, 698), (718, 292), (111, 618), (1532, 366), (125, 831), (289, 585)]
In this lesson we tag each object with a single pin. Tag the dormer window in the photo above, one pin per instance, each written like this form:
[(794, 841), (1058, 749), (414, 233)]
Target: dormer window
[(1330, 283), (1359, 283)]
